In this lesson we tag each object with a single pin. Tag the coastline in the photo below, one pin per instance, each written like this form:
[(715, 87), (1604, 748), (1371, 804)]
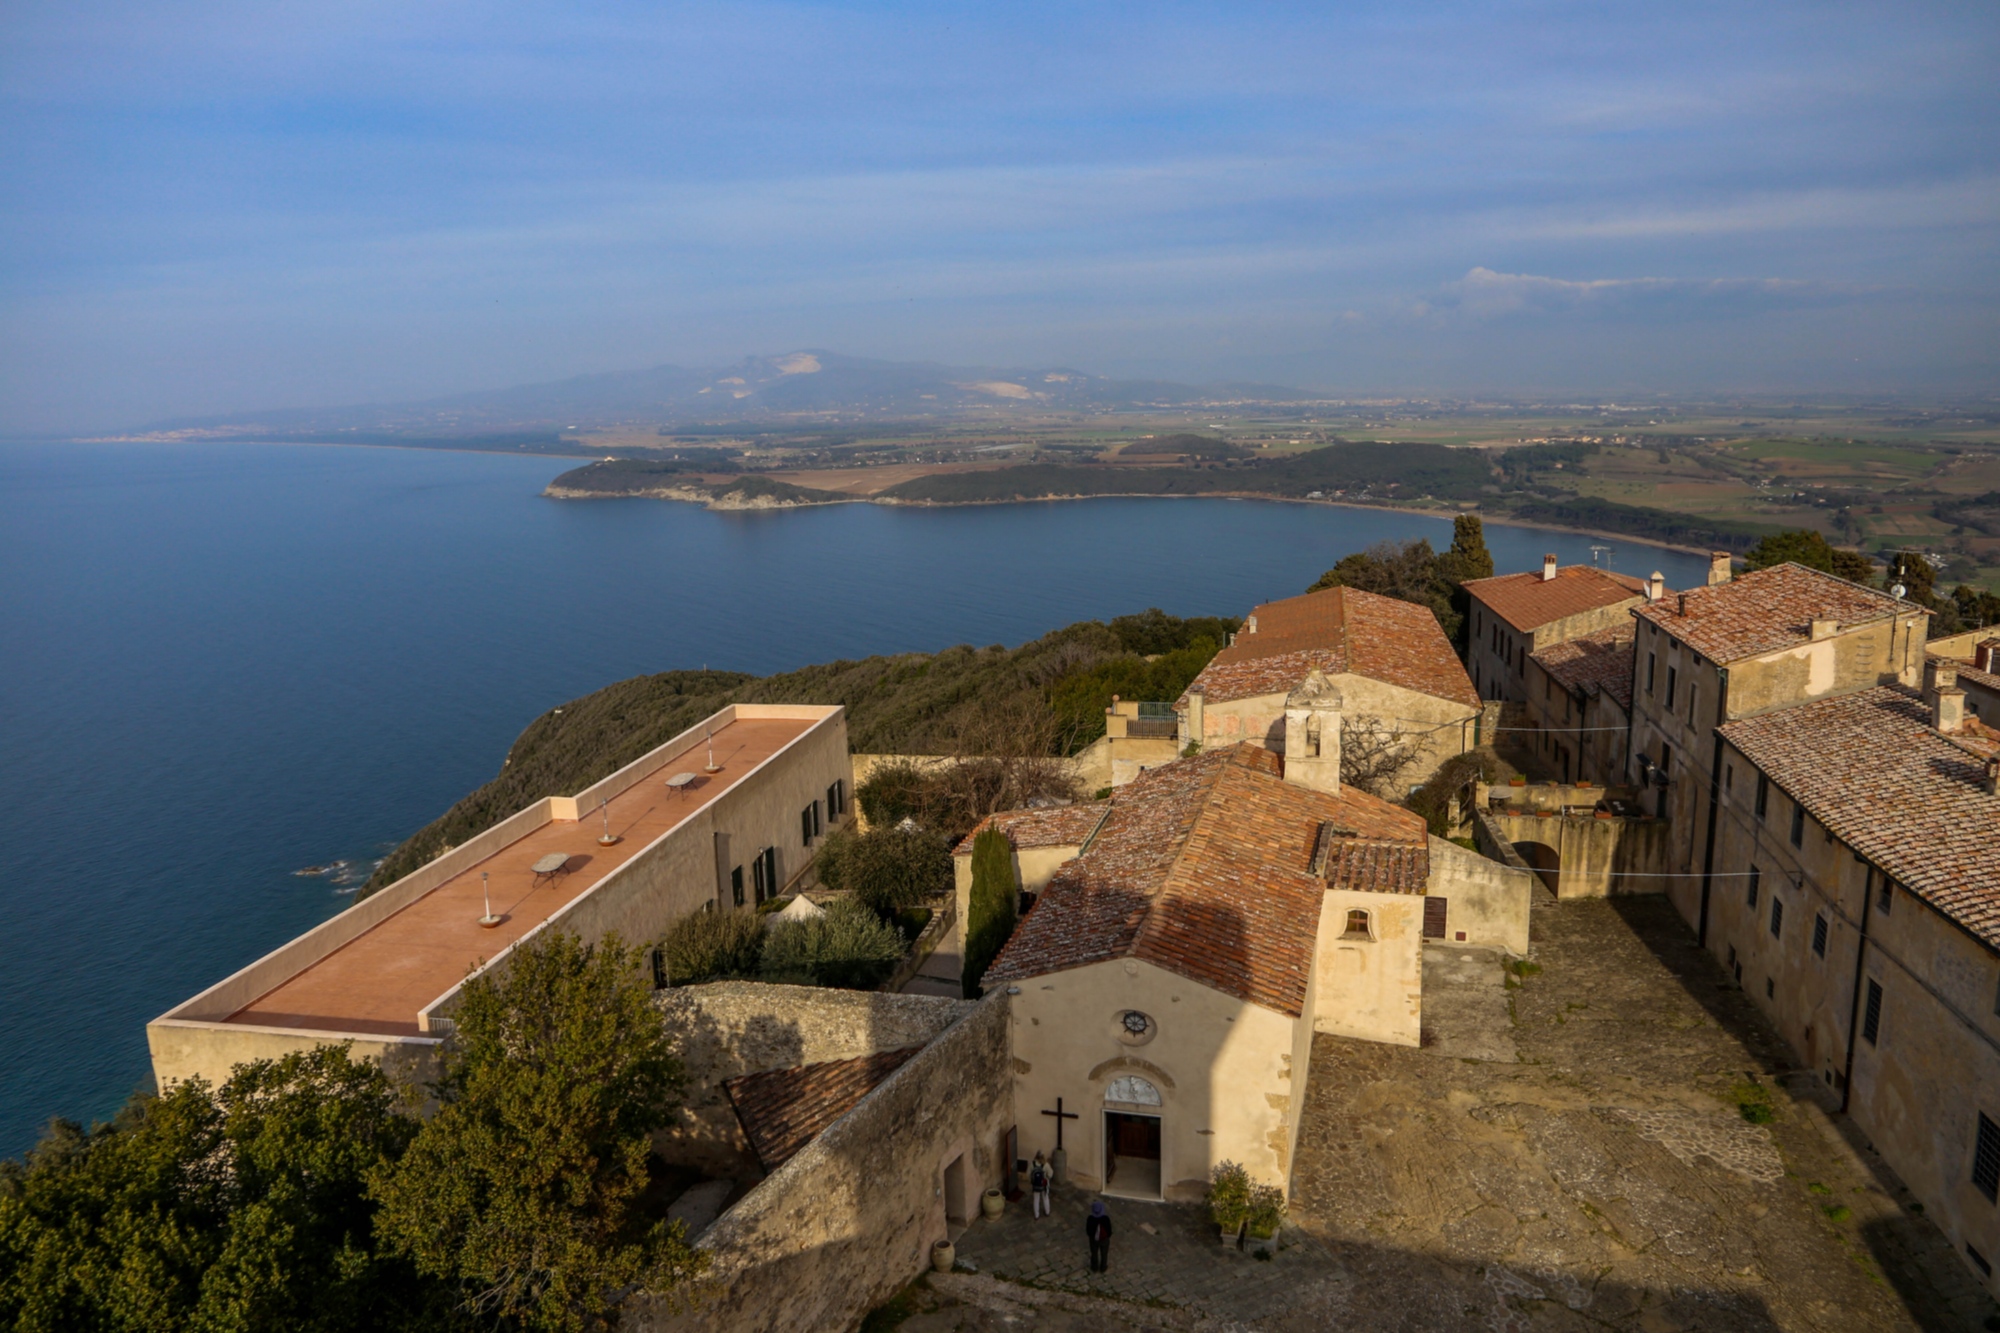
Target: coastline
[(764, 503)]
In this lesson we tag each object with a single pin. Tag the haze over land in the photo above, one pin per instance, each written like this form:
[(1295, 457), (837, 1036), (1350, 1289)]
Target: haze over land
[(215, 210)]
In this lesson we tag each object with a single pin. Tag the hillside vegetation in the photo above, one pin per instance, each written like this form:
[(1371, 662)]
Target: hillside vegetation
[(910, 703)]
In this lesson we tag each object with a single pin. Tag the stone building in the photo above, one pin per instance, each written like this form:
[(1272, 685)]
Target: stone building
[(1855, 895), (1404, 690), (1766, 641), (1513, 616), (1579, 702), (1976, 655), (723, 816)]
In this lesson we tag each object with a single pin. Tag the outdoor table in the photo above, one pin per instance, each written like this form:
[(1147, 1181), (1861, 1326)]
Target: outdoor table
[(679, 781), (555, 863)]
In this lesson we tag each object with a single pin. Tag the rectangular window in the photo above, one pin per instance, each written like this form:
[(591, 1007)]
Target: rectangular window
[(1756, 880), (1986, 1158), (1871, 1017), (1652, 673), (1728, 777), (1667, 758), (770, 872), (1777, 916), (1819, 934), (1886, 895), (1798, 825), (806, 827), (1673, 678), (819, 826), (835, 798), (736, 886), (1694, 691), (1763, 794)]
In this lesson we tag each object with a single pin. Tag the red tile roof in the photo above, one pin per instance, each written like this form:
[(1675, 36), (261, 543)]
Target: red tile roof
[(782, 1110), (1204, 868), (1597, 662), (1529, 601), (1337, 630), (1912, 802), (1056, 826), (1766, 610)]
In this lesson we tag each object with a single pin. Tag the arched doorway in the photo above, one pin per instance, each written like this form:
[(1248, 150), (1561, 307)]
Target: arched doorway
[(1543, 860), (1132, 1138)]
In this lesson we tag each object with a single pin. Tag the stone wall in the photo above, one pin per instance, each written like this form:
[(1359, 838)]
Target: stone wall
[(1486, 901), (728, 1028), (1595, 857), (845, 1224)]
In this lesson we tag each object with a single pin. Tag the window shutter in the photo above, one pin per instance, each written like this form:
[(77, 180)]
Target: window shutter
[(1871, 1022)]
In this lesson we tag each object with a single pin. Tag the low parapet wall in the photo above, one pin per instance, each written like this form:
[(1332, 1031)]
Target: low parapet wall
[(845, 1224), (1595, 856), (728, 1028)]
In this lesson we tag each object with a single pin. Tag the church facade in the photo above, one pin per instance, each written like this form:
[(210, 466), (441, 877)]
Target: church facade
[(1166, 987)]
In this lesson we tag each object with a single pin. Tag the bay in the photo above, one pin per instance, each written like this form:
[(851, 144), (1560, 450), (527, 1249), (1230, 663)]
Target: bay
[(222, 662)]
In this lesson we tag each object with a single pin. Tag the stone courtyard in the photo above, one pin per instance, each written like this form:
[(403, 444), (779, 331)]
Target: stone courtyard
[(1566, 1151)]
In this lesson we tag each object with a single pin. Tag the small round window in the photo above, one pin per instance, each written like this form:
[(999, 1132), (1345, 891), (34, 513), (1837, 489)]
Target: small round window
[(1134, 1028)]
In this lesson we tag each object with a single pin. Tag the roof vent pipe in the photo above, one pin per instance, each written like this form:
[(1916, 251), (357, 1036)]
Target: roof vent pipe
[(1548, 568)]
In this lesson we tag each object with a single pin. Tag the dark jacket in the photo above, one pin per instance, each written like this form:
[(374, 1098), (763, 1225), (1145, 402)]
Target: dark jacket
[(1097, 1228)]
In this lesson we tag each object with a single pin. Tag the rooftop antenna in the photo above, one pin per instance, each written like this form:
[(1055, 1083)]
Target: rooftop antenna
[(489, 920), (712, 766), (1597, 550), (607, 838)]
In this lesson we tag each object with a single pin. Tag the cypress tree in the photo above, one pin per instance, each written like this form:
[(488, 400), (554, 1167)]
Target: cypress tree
[(989, 917)]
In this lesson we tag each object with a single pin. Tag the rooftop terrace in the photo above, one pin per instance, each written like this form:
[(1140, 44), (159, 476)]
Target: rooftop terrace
[(380, 981)]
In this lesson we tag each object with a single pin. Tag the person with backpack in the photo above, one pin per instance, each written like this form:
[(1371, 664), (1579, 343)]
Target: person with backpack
[(1038, 1185), (1097, 1228)]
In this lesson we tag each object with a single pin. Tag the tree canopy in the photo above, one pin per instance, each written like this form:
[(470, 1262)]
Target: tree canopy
[(1802, 546), (524, 1189)]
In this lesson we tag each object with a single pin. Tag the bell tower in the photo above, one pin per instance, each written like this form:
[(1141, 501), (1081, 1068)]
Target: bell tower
[(1312, 734)]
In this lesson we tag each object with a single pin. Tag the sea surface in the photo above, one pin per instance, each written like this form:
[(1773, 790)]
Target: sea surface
[(222, 663)]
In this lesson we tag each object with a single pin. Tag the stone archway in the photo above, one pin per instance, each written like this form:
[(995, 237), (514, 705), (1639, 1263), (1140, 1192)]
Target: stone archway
[(1545, 862)]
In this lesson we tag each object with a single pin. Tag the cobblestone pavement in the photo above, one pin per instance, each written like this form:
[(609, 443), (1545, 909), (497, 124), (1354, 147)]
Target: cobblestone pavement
[(1180, 1264), (1566, 1152)]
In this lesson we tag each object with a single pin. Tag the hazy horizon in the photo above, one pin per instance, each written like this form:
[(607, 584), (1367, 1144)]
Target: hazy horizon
[(229, 208)]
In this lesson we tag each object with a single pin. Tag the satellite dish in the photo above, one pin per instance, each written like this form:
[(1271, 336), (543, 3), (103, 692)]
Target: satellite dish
[(1898, 592)]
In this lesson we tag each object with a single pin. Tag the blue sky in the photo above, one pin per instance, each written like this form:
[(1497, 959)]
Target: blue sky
[(217, 206)]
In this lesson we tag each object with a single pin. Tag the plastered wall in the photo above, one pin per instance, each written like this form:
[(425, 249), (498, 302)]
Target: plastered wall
[(1230, 1073), (1370, 986), (1434, 729)]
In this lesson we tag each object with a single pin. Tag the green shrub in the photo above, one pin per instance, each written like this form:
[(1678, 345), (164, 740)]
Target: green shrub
[(1267, 1211), (1229, 1196), (1753, 1103), (850, 947), (1454, 777), (712, 946), (989, 916), (889, 867), (892, 793)]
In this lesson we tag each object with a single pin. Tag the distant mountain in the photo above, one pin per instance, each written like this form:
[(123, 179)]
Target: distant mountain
[(796, 387)]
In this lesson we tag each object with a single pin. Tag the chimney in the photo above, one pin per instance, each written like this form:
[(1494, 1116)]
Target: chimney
[(1824, 629), (1656, 586), (1682, 609), (1548, 568), (1250, 625), (1195, 721), (1718, 567), (1941, 674), (1948, 710), (1992, 783)]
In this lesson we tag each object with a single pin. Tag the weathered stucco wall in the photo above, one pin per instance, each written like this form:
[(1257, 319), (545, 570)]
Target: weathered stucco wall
[(182, 1050), (1224, 1069), (1486, 901), (1434, 729), (1934, 1066), (1597, 857), (1370, 986), (729, 1028), (846, 1223)]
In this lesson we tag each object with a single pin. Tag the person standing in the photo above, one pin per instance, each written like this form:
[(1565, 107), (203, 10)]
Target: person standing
[(1097, 1227), (1038, 1185)]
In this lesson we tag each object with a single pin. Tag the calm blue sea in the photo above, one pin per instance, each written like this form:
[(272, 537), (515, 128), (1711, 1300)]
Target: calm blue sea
[(221, 663)]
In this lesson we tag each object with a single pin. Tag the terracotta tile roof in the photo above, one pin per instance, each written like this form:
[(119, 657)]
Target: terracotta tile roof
[(782, 1110), (1337, 630), (1056, 826), (1968, 673), (1204, 868), (1869, 767), (1601, 661), (1529, 601), (1765, 610)]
